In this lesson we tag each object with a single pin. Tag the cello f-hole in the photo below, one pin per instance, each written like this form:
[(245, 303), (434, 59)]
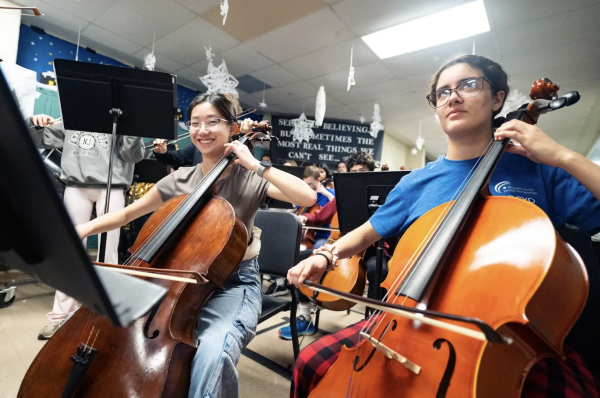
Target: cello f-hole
[(148, 322), (357, 359), (445, 382)]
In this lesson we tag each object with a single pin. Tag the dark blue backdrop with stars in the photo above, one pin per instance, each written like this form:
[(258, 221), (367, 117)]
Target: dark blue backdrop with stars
[(38, 51)]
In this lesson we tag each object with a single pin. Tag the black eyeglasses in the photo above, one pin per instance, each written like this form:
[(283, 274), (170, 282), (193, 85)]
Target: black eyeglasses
[(468, 88)]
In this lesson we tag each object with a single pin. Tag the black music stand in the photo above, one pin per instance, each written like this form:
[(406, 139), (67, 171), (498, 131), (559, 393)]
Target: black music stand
[(38, 238), (100, 98), (295, 171), (363, 194)]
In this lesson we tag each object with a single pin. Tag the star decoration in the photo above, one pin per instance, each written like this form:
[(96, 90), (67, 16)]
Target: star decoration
[(302, 130), (376, 126), (262, 104), (209, 53), (362, 119), (414, 151), (218, 80)]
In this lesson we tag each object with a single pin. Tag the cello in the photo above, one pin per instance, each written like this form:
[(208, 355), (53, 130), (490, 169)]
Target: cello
[(495, 260), (88, 357), (349, 276)]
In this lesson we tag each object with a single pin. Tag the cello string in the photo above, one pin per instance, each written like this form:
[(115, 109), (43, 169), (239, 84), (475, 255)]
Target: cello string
[(380, 315)]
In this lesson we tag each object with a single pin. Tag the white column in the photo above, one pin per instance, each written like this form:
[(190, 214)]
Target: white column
[(10, 22)]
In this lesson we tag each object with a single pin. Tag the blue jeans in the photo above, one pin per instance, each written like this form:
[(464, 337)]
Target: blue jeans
[(226, 324)]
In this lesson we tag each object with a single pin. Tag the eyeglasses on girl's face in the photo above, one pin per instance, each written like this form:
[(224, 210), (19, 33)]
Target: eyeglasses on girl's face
[(468, 88), (210, 125)]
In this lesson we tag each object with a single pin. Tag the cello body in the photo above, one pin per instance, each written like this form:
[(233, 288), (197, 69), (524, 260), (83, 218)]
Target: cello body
[(511, 270), (152, 357), (350, 276)]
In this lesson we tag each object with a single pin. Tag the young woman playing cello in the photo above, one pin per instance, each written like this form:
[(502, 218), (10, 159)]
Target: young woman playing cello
[(227, 323), (467, 93)]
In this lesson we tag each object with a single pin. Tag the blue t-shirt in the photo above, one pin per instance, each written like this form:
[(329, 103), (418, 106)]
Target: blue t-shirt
[(556, 192)]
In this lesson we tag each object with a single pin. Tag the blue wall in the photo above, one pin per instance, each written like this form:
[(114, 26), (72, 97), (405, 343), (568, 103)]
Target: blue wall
[(38, 51)]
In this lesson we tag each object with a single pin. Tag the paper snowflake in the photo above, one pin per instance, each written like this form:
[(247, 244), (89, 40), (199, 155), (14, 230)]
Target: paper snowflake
[(419, 143), (209, 53), (218, 80), (351, 81), (362, 119), (320, 107), (262, 104), (413, 151), (224, 9), (149, 61), (302, 130), (376, 126)]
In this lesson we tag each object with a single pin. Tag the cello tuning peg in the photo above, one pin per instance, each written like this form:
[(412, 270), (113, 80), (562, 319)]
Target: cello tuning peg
[(572, 97)]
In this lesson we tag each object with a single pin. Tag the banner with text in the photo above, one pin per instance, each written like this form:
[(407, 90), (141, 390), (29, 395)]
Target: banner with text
[(331, 142)]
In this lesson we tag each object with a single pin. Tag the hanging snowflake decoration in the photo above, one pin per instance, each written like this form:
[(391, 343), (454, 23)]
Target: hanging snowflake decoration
[(263, 104), (149, 61), (224, 9), (320, 107), (362, 119), (420, 141), (218, 80), (209, 53), (351, 81), (414, 151), (376, 126), (302, 130)]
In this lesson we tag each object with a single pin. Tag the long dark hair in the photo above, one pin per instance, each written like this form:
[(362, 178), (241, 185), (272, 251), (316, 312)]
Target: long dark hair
[(222, 102), (324, 166), (491, 70)]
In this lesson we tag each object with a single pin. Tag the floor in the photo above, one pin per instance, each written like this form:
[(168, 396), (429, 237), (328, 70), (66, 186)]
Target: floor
[(264, 368)]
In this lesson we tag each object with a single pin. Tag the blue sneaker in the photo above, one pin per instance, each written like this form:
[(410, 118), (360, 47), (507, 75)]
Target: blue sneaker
[(305, 328)]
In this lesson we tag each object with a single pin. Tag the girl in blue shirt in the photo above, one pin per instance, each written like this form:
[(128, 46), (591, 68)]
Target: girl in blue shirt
[(467, 93)]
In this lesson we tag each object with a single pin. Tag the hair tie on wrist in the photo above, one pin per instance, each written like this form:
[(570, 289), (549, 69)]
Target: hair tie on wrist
[(328, 260)]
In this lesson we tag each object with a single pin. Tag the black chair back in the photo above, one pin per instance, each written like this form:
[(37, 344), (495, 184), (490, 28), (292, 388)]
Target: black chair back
[(280, 241)]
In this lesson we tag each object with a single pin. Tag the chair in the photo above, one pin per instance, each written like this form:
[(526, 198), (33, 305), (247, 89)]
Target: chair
[(280, 247)]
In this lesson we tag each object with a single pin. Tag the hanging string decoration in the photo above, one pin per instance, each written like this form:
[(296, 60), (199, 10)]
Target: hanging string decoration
[(77, 51), (302, 130), (351, 81), (376, 126), (362, 119), (263, 104), (218, 79), (420, 141), (224, 9), (150, 59), (320, 107)]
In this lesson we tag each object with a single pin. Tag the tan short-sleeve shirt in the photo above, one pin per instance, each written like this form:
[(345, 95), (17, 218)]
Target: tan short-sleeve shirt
[(244, 189)]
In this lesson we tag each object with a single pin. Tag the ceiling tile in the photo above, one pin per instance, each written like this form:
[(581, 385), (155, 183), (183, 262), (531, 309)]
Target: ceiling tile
[(313, 32), (138, 20), (508, 13), (563, 54), (291, 92), (430, 59), (371, 92), (186, 44), (109, 39), (199, 7), (364, 17), (308, 105), (242, 59), (363, 75), (88, 10), (275, 76), (342, 113), (331, 59), (163, 63), (56, 21), (551, 31), (190, 75)]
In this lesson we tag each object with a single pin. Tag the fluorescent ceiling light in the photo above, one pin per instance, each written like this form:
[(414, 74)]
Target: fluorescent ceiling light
[(443, 27)]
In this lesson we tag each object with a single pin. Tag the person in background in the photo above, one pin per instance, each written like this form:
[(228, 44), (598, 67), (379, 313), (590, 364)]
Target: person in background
[(84, 164), (265, 158), (188, 156), (342, 166), (324, 171), (290, 163)]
